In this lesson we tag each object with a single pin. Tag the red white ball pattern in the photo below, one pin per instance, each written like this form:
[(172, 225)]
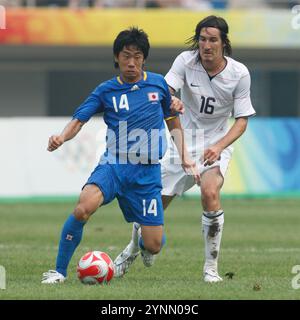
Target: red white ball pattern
[(95, 267)]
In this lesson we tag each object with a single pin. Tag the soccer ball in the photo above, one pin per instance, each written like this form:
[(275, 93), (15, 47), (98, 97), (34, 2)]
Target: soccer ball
[(95, 267)]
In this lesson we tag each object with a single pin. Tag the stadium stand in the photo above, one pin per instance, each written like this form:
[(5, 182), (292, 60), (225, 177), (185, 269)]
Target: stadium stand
[(187, 4)]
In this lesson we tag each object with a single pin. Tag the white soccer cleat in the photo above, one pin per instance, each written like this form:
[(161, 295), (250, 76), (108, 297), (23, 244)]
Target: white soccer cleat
[(125, 259), (148, 258), (53, 276), (211, 275)]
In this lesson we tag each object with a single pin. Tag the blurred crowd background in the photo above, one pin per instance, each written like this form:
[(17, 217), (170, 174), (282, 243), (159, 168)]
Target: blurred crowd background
[(62, 54), (186, 4)]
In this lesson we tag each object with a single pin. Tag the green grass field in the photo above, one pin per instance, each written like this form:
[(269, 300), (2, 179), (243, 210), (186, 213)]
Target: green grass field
[(261, 244)]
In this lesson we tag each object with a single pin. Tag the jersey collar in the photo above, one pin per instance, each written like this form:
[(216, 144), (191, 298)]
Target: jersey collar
[(119, 79), (211, 77)]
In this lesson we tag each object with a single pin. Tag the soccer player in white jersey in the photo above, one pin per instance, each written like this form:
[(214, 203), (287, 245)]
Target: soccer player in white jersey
[(213, 87)]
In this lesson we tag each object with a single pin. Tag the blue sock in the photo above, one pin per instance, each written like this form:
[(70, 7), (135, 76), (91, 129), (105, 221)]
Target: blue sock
[(69, 240), (141, 242)]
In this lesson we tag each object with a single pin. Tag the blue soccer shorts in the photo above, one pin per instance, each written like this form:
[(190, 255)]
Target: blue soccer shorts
[(137, 188)]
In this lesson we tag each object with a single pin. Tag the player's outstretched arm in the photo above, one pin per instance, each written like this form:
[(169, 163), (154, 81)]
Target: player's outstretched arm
[(69, 132), (188, 164)]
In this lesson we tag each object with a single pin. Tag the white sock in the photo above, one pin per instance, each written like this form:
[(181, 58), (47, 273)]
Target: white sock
[(212, 227), (135, 234)]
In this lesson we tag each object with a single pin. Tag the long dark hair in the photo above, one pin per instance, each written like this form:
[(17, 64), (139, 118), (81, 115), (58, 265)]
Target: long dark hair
[(131, 37), (214, 22)]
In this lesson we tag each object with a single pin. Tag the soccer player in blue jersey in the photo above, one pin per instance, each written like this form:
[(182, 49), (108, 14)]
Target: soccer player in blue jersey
[(134, 105)]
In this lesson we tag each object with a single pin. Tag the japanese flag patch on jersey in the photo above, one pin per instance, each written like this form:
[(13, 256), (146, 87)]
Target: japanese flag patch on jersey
[(153, 96)]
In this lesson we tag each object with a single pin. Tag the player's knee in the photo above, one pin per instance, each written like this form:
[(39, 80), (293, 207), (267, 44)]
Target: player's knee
[(82, 212), (209, 194), (153, 246), (154, 249)]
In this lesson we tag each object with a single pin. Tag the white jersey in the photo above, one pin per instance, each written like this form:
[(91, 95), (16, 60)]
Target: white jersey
[(210, 102)]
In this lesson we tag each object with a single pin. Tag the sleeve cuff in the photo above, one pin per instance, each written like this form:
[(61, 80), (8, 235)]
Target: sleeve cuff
[(245, 116), (170, 118)]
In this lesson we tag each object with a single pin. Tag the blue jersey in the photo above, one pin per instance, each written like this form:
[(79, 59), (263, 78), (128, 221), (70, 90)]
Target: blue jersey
[(134, 114)]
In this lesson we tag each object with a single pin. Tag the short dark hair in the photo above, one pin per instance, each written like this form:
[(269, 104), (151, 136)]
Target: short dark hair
[(131, 37), (214, 22)]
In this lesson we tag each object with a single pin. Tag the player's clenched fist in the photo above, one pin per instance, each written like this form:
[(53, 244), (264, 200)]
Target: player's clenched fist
[(54, 142), (177, 105), (211, 155)]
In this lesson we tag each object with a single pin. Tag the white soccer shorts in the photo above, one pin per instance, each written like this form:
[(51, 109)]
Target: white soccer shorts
[(175, 181)]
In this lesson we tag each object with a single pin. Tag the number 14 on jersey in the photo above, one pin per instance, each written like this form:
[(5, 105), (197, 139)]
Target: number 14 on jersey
[(123, 103), (152, 208)]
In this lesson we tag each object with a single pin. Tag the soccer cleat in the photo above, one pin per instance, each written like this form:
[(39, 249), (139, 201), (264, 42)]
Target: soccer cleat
[(53, 276), (211, 275), (125, 259), (148, 258)]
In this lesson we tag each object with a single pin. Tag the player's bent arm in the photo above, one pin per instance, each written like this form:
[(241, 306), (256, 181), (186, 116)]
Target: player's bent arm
[(212, 153), (188, 164), (69, 132), (238, 128)]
